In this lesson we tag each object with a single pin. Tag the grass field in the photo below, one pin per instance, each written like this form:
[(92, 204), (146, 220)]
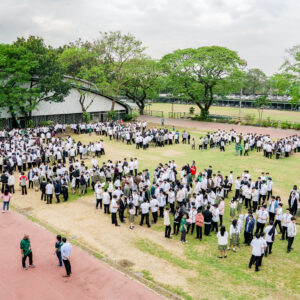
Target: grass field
[(279, 115), (193, 270)]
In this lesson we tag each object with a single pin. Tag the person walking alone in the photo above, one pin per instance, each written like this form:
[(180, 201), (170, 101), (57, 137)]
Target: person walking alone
[(26, 252), (58, 246), (66, 250)]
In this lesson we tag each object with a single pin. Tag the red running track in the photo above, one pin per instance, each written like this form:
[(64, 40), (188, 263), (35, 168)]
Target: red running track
[(90, 279)]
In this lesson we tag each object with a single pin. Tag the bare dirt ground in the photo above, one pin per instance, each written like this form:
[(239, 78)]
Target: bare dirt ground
[(273, 132)]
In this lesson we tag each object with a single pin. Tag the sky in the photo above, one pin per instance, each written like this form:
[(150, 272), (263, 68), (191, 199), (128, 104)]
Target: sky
[(259, 30)]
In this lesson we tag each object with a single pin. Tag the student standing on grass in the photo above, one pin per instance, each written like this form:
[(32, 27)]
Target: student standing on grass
[(66, 250), (222, 242), (131, 215), (256, 252), (199, 223), (26, 252), (183, 228), (286, 219), (167, 223), (291, 233), (58, 246), (234, 235), (6, 196), (270, 232), (249, 227), (23, 183)]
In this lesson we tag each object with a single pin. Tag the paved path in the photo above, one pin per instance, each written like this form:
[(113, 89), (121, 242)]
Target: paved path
[(274, 132), (91, 278)]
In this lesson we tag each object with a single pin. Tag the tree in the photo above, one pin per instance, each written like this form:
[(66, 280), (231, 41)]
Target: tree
[(195, 73), (291, 67), (114, 50), (46, 77), (279, 84), (261, 103), (81, 63), (141, 81), (15, 66), (255, 82)]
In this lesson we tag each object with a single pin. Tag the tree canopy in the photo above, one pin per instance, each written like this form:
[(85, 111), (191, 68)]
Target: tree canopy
[(195, 73)]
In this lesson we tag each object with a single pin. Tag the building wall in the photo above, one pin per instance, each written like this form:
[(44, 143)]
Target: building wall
[(71, 105)]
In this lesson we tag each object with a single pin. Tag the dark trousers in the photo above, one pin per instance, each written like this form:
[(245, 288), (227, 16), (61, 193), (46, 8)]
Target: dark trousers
[(207, 229), (145, 216), (58, 254), (176, 228), (98, 203), (161, 211), (67, 266), (189, 226), (271, 216), (106, 208), (167, 231), (278, 222), (199, 232), (24, 190), (49, 198), (254, 206), (248, 237), (290, 243), (114, 219), (43, 196), (24, 259), (214, 226), (284, 233), (268, 249), (154, 215), (256, 260), (221, 220), (121, 215), (259, 227), (183, 234), (30, 185)]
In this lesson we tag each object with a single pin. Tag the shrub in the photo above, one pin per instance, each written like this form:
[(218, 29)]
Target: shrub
[(29, 124), (46, 123), (86, 117), (135, 115), (111, 114), (249, 118), (296, 126), (127, 117), (275, 123), (285, 125)]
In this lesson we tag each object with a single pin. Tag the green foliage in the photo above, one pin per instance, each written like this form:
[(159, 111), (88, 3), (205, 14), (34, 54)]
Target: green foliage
[(115, 50), (111, 114), (141, 80), (46, 123), (285, 125), (86, 117), (135, 115), (31, 73), (296, 126), (195, 73), (29, 124)]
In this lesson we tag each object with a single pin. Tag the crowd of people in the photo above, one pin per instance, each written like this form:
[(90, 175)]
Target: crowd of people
[(188, 201)]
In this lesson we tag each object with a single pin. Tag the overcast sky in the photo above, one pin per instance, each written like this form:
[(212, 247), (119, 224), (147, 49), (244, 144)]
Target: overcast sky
[(259, 30)]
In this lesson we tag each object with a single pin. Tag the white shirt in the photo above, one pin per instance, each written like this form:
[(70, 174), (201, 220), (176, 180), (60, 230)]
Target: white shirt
[(222, 240), (262, 216), (145, 207), (256, 247), (269, 237), (292, 229), (66, 250)]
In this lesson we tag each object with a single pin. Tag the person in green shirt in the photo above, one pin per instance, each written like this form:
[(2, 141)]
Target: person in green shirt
[(26, 251), (183, 228), (237, 148), (241, 150)]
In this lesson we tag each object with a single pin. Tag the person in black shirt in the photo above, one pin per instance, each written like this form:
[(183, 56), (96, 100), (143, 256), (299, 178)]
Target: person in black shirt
[(207, 220)]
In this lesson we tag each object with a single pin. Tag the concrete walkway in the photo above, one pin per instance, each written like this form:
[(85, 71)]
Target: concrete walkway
[(90, 279)]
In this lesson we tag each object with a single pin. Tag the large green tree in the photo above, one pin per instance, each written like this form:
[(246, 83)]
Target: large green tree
[(195, 73), (255, 82), (141, 81), (114, 51), (81, 63), (291, 67), (44, 77)]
